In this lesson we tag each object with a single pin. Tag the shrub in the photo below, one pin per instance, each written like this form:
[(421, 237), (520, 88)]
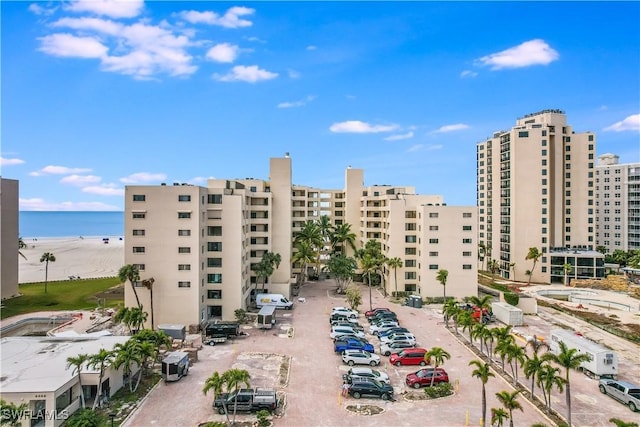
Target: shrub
[(354, 297), (263, 418), (241, 315), (86, 418), (511, 298), (439, 390), (400, 294)]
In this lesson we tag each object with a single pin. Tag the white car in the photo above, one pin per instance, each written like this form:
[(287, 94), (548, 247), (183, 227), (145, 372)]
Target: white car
[(345, 311), (363, 372), (376, 329), (395, 346), (399, 336), (360, 357), (344, 330)]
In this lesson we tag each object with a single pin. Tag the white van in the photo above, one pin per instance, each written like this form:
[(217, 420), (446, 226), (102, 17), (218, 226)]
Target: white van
[(277, 300)]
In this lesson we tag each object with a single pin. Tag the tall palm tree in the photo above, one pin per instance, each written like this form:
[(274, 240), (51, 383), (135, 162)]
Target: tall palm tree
[(483, 303), (340, 235), (483, 373), (126, 355), (437, 355), (216, 383), (569, 359), (482, 253), (100, 360), (466, 322), (157, 339), (234, 379), (148, 283), (78, 363), (566, 268), (304, 254), (532, 367), (510, 402), (131, 273), (493, 266), (442, 278), (21, 245), (515, 354), (137, 317), (450, 310), (47, 257), (395, 263), (548, 378), (123, 315), (534, 254), (311, 234), (371, 261), (498, 415)]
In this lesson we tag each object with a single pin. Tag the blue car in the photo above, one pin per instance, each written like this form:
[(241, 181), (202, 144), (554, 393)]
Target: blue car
[(352, 344)]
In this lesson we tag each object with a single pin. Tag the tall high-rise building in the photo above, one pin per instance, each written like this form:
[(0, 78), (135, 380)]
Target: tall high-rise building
[(617, 204), (536, 189), (199, 243), (8, 238)]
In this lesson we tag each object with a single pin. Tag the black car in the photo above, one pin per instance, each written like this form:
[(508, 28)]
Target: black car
[(383, 316), (367, 387)]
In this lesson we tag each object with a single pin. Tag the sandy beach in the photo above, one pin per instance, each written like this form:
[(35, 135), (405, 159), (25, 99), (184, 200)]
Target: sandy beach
[(87, 257)]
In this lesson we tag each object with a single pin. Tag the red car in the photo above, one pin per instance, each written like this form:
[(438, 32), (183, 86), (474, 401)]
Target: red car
[(370, 313), (409, 356), (422, 377)]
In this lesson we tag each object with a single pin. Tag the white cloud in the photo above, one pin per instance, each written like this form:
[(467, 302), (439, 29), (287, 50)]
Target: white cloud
[(37, 204), (251, 74), (223, 52), (104, 190), (434, 147), (112, 8), (468, 74), (255, 39), (200, 179), (100, 25), (141, 177), (10, 162), (59, 170), (532, 52), (231, 19), (311, 47), (452, 128), (300, 103), (399, 137), (36, 9), (631, 123), (356, 126), (64, 44), (416, 147), (293, 74), (80, 180)]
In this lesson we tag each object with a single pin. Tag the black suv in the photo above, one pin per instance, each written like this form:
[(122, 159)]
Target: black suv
[(362, 387)]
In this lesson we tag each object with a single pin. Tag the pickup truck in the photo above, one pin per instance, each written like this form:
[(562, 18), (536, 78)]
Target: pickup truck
[(352, 344), (625, 392), (248, 400)]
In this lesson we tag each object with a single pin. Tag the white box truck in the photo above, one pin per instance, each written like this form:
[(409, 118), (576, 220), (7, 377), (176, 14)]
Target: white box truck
[(603, 362), (507, 313), (277, 300), (266, 317)]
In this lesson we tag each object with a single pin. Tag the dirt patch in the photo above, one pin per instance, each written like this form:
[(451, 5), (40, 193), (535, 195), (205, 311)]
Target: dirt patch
[(364, 409)]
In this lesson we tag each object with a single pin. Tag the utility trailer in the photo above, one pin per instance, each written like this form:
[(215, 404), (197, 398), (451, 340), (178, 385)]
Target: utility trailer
[(266, 317), (603, 362)]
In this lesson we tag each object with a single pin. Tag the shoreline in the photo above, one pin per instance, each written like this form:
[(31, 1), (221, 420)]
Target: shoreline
[(84, 257)]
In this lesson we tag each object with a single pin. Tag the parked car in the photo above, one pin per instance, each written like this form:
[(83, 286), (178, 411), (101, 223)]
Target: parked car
[(343, 330), (382, 315), (398, 336), (371, 313), (343, 345), (355, 326), (409, 356), (391, 331), (381, 327), (346, 311), (339, 317), (422, 377), (360, 357), (395, 346), (623, 391), (343, 337), (247, 399), (362, 372), (362, 387)]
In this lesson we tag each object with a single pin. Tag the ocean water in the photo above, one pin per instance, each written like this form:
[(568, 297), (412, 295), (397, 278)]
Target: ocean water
[(70, 224)]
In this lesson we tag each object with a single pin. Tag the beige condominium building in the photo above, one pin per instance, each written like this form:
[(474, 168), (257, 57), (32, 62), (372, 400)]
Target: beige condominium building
[(536, 188), (617, 204), (8, 238), (199, 243)]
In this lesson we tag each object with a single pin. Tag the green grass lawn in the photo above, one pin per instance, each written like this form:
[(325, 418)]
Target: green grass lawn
[(65, 295)]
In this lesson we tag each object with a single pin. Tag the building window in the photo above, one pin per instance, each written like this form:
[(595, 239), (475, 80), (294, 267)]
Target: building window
[(433, 228), (410, 251), (214, 246), (214, 262), (467, 253), (139, 197), (214, 294), (410, 275), (466, 241), (214, 199), (466, 266), (433, 253), (410, 263), (140, 267), (184, 250), (184, 284), (215, 230), (466, 228), (138, 232), (214, 278), (138, 249), (466, 215), (433, 214), (410, 239), (138, 215), (184, 232), (410, 214), (184, 215), (433, 266), (184, 198), (523, 134), (433, 240), (183, 267)]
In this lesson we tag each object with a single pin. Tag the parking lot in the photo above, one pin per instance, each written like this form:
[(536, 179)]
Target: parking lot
[(313, 384)]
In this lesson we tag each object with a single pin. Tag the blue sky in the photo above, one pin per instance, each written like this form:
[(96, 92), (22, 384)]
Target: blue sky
[(100, 94)]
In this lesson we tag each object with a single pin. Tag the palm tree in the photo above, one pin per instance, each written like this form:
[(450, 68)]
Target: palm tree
[(125, 355), (483, 373), (395, 263), (450, 311), (466, 322), (566, 267), (515, 354), (512, 267), (78, 362), (569, 359), (156, 339), (498, 415), (532, 367), (477, 331), (268, 264), (371, 261), (100, 360), (549, 377), (482, 253), (21, 245), (304, 254), (311, 234), (234, 379), (502, 349), (438, 356), (131, 273), (123, 315), (510, 402), (537, 344), (493, 266), (342, 268), (12, 414), (148, 283), (442, 278), (483, 303), (340, 235), (47, 257), (137, 318), (216, 383), (533, 254)]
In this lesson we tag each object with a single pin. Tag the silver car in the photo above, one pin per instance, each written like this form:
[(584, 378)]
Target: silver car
[(362, 372), (360, 357)]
